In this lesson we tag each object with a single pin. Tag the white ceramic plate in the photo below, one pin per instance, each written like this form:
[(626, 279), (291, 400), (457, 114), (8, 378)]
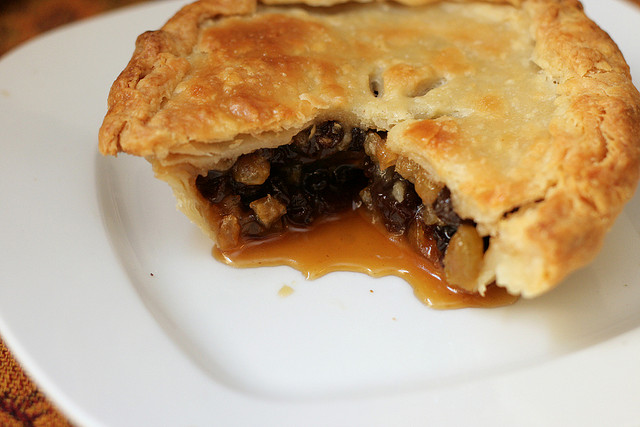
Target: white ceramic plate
[(111, 301)]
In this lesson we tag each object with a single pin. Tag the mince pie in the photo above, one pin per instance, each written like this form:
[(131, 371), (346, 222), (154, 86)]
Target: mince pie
[(499, 137)]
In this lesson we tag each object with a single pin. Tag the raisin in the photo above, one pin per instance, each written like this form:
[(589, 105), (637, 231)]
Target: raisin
[(329, 134), (279, 189), (396, 213), (357, 139), (214, 187), (281, 155), (443, 234), (316, 181), (444, 208), (318, 142), (333, 200), (299, 210), (248, 193), (421, 238), (306, 145), (348, 175)]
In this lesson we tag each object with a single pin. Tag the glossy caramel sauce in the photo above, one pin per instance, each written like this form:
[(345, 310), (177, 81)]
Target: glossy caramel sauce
[(350, 242)]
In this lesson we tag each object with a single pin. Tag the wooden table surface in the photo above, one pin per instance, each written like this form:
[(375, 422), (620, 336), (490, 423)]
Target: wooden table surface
[(21, 403)]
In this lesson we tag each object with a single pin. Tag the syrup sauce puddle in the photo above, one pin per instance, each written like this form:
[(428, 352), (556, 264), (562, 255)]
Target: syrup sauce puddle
[(350, 242)]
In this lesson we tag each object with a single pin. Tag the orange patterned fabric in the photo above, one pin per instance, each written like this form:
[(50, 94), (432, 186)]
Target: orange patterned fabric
[(21, 403)]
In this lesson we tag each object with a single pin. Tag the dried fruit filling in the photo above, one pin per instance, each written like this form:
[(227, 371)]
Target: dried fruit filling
[(325, 170)]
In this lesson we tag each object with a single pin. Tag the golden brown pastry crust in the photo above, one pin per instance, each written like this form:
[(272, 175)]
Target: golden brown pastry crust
[(203, 90)]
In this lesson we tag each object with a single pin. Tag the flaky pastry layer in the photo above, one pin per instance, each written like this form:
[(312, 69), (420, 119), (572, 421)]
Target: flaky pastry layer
[(525, 110)]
